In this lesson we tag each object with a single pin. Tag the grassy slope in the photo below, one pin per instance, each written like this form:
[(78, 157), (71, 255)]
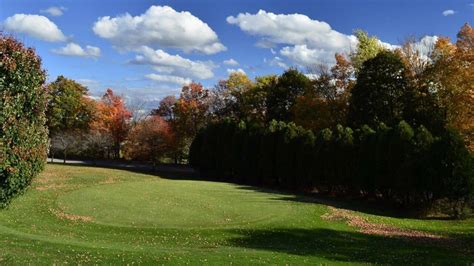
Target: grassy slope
[(144, 219)]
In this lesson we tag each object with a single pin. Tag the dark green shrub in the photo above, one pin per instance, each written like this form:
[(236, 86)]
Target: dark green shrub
[(405, 166), (23, 135)]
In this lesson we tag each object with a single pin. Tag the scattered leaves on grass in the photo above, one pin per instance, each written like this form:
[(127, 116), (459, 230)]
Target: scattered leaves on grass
[(71, 217)]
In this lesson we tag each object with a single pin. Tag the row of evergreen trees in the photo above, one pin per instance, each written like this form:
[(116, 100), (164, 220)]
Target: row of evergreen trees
[(400, 164)]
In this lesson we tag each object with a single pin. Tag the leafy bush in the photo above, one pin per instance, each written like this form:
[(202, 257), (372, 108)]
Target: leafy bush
[(23, 135), (400, 164)]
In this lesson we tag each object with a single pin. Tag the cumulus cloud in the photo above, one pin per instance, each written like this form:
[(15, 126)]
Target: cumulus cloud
[(73, 49), (276, 61), (448, 12), (231, 62), (169, 79), (239, 70), (307, 41), (159, 27), (176, 65), (36, 26), (54, 11), (302, 55)]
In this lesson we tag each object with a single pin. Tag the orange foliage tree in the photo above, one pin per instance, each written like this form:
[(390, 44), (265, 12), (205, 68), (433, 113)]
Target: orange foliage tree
[(150, 140), (451, 76), (113, 118)]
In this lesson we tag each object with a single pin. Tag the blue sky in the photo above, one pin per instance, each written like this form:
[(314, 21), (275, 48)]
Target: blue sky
[(151, 52)]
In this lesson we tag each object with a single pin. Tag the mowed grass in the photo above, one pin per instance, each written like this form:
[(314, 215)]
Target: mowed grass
[(87, 215)]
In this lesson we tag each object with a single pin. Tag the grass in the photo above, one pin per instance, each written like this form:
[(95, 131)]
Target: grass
[(86, 215)]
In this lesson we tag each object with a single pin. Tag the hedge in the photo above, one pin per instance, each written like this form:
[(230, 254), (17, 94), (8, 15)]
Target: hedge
[(23, 135), (400, 164)]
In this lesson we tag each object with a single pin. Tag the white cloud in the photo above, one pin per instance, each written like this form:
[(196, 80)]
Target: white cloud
[(448, 12), (302, 55), (159, 27), (231, 62), (307, 40), (239, 70), (276, 61), (169, 79), (73, 49), (54, 11), (174, 64), (36, 26)]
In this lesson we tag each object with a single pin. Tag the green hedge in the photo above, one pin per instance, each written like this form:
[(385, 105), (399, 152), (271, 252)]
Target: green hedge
[(401, 164), (23, 135)]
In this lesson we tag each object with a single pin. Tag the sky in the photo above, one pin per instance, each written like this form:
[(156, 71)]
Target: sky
[(146, 50)]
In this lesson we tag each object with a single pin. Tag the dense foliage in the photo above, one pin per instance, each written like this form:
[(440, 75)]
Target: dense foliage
[(399, 164), (23, 134)]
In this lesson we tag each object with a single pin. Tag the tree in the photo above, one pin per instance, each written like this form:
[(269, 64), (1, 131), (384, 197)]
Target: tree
[(343, 74), (450, 77), (150, 140), (69, 106), (282, 97), (191, 114), (69, 114), (166, 108), (66, 142), (23, 131), (380, 92), (228, 97), (113, 118), (324, 104), (367, 47)]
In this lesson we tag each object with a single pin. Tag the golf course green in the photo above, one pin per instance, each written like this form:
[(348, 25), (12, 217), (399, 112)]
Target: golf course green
[(89, 215)]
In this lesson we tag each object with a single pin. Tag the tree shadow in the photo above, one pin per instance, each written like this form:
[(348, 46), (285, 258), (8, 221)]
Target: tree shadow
[(346, 246), (354, 204), (166, 171)]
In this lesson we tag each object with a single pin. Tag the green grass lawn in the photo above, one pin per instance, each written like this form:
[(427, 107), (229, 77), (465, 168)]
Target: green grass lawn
[(86, 215)]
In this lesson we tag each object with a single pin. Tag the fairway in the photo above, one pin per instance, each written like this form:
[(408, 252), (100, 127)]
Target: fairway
[(87, 215)]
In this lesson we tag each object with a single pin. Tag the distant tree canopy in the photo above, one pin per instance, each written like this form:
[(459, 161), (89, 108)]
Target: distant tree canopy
[(381, 91), (23, 134), (68, 106)]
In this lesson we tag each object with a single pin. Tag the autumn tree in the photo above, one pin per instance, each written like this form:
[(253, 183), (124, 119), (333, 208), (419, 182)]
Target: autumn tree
[(450, 76), (325, 103), (113, 118), (191, 114), (227, 99), (150, 140), (166, 108)]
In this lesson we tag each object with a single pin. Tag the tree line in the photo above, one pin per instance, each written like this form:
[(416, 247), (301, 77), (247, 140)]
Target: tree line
[(400, 164), (370, 86)]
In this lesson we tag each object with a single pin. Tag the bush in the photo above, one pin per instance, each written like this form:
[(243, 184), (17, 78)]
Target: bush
[(403, 165), (23, 135)]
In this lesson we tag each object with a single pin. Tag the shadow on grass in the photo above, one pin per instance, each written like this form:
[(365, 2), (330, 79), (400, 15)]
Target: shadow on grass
[(167, 171), (354, 204), (347, 246)]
